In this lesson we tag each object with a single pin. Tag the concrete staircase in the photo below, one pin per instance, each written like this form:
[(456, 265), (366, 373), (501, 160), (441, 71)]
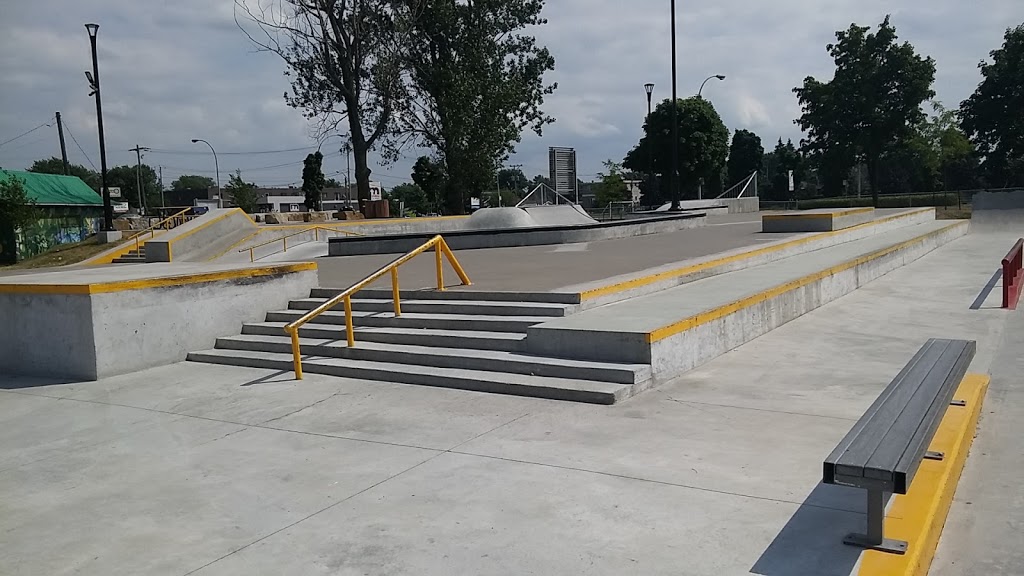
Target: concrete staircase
[(454, 339), (132, 257)]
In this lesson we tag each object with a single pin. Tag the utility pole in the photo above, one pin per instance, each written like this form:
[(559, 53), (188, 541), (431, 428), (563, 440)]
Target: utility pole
[(160, 184), (674, 182), (63, 148), (94, 83), (138, 176)]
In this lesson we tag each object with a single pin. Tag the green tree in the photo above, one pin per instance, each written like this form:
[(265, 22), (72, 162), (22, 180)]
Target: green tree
[(746, 155), (192, 182), (241, 193), (125, 178), (430, 175), (333, 183), (17, 210), (313, 181), (873, 100), (540, 179), (703, 146), (343, 61), (513, 179), (783, 159), (413, 196), (54, 165), (612, 187), (991, 117), (475, 82)]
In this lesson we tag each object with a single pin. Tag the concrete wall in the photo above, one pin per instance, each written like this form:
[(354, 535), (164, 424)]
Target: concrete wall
[(469, 240), (202, 238), (47, 335), (998, 211), (676, 354), (665, 277), (87, 337), (811, 221), (734, 205)]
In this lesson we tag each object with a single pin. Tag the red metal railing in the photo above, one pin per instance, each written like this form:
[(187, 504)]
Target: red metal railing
[(1012, 267)]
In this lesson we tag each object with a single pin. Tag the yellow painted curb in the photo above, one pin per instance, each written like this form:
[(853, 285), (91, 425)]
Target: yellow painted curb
[(817, 215), (144, 283), (693, 268), (722, 311), (918, 517)]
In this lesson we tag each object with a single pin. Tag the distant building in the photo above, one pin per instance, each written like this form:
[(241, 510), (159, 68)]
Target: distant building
[(69, 211)]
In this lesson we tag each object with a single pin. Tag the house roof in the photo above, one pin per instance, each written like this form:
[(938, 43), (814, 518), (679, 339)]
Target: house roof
[(55, 190)]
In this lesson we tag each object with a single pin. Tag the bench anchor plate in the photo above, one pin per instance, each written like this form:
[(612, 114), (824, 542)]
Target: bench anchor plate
[(875, 539)]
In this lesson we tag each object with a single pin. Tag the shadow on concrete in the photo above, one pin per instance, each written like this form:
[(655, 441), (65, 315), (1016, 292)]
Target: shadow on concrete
[(279, 376), (13, 382), (987, 290), (811, 543)]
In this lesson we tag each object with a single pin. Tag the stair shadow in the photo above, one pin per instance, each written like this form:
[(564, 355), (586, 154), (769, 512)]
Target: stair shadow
[(986, 291), (811, 543), (269, 378)]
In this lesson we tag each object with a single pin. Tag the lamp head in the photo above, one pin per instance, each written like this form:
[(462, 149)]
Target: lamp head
[(649, 88), (720, 76), (93, 29), (195, 140)]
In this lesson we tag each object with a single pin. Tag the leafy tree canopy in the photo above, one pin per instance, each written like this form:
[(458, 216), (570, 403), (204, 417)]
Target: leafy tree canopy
[(873, 100), (17, 210), (746, 155), (192, 182), (55, 165), (612, 187), (241, 193), (313, 181), (432, 178)]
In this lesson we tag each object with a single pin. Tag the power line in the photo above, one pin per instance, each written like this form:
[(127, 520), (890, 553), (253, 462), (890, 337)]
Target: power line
[(22, 135), (75, 140), (253, 153)]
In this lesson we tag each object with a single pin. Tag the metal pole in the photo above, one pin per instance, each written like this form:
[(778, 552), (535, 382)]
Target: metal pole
[(138, 176), (216, 164), (497, 181), (650, 143), (674, 181), (108, 208), (63, 148)]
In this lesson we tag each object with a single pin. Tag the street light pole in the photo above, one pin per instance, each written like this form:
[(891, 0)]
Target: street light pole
[(717, 76), (649, 88), (674, 180), (94, 81), (216, 164)]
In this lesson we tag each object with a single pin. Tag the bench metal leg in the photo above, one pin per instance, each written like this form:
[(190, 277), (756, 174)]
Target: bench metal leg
[(875, 538)]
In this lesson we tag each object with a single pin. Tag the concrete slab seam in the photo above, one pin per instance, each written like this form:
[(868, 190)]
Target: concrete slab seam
[(722, 311), (684, 271), (919, 516), (142, 284)]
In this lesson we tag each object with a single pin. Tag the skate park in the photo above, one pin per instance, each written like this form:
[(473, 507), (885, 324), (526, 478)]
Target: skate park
[(662, 401)]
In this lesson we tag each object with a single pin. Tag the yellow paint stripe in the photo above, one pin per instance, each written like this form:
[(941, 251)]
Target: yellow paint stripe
[(918, 517), (145, 283), (818, 215), (694, 268), (722, 311)]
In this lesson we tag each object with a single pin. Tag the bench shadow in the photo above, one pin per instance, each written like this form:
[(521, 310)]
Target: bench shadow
[(987, 290), (811, 543)]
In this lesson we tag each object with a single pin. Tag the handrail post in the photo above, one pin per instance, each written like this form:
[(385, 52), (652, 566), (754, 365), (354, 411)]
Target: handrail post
[(350, 332), (296, 355), (440, 270), (252, 256), (395, 294), (316, 234)]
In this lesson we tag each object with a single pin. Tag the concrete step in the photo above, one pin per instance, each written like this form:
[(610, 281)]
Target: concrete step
[(445, 307), (414, 320), (480, 360), (471, 339), (455, 294), (494, 382)]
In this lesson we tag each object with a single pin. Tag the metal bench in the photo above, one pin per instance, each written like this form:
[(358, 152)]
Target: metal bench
[(884, 449)]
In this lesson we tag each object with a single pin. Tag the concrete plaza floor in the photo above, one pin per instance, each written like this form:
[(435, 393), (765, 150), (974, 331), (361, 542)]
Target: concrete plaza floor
[(210, 470)]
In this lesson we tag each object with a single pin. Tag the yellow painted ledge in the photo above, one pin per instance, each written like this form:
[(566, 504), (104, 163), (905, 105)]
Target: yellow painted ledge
[(918, 517), (829, 214), (694, 268), (146, 283), (722, 311)]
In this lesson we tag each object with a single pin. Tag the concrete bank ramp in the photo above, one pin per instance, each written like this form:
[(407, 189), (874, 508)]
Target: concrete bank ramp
[(529, 217), (559, 215), (998, 211), (203, 238)]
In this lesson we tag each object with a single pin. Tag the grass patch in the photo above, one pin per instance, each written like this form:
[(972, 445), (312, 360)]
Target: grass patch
[(62, 255), (953, 213)]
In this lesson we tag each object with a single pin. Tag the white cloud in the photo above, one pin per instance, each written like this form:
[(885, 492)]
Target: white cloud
[(172, 71)]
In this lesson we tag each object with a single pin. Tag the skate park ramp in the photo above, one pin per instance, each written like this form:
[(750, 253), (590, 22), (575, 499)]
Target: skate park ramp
[(529, 217), (998, 211)]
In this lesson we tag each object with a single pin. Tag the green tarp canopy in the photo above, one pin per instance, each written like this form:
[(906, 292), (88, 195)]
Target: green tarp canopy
[(55, 190)]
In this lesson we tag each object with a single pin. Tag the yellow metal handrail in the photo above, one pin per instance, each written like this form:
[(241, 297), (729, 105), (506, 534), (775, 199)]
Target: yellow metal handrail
[(316, 234), (176, 219), (440, 247)]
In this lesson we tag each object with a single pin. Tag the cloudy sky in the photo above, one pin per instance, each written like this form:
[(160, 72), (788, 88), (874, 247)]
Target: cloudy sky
[(173, 70)]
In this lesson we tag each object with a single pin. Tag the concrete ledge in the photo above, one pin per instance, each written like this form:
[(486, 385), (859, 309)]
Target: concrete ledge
[(202, 237), (58, 326), (919, 516), (474, 239), (623, 288), (673, 348), (816, 220)]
